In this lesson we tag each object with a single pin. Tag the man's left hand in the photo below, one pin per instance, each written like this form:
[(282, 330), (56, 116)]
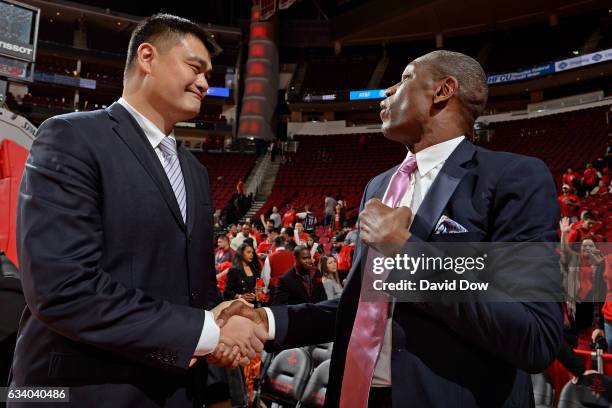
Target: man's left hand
[(384, 228)]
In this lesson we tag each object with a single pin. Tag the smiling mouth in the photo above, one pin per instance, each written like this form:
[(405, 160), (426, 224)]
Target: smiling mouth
[(199, 95), (383, 113)]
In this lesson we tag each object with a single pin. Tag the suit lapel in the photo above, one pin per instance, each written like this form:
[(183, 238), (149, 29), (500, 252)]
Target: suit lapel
[(441, 190), (132, 135), (190, 189)]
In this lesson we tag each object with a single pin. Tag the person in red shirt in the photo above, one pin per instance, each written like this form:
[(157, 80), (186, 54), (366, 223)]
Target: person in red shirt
[(569, 203), (607, 307), (240, 187), (277, 264), (589, 178), (578, 234), (300, 237), (267, 244), (289, 217), (569, 177), (606, 177)]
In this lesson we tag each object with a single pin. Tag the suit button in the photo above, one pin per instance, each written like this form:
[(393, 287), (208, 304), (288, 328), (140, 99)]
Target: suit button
[(189, 239), (195, 294)]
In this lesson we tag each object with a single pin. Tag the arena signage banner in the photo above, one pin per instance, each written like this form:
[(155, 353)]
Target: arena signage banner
[(584, 60), (367, 94), (534, 72)]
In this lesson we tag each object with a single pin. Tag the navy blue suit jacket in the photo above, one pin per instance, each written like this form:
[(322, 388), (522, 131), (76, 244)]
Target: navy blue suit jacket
[(457, 354), (115, 281)]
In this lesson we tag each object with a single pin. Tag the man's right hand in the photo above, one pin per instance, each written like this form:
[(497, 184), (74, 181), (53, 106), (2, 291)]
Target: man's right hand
[(244, 333), (257, 316)]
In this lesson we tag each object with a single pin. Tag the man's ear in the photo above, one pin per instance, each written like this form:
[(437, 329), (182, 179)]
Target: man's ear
[(445, 90), (146, 53)]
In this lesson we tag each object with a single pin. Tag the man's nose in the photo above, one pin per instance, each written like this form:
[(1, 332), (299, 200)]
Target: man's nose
[(202, 84)]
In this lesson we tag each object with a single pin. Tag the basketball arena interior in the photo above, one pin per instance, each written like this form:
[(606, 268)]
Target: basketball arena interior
[(289, 134)]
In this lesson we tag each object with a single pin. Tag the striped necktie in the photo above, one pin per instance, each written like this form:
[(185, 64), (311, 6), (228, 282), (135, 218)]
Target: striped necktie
[(174, 173)]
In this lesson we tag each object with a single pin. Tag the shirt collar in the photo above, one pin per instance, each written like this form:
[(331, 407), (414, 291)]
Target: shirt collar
[(152, 132), (429, 158)]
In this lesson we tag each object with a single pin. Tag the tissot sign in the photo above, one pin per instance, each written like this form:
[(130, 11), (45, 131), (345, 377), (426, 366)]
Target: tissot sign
[(16, 50)]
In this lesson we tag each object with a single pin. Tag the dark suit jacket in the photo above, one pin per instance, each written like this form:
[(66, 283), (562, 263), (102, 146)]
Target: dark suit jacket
[(459, 354), (11, 304), (291, 290), (114, 280)]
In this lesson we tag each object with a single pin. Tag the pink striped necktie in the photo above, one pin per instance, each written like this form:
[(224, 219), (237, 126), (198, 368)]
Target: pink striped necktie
[(372, 314)]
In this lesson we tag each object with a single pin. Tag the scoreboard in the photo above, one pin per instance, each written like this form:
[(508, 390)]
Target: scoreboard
[(18, 37)]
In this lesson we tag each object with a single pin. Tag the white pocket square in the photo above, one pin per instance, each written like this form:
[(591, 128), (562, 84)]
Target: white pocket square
[(446, 225)]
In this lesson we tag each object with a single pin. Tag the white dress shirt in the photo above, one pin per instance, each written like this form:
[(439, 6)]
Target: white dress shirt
[(429, 163), (210, 331)]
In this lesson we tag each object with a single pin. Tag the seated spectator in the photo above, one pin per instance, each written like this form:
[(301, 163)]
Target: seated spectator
[(606, 177), (289, 235), (351, 236), (223, 253), (301, 284), (232, 231), (242, 276), (266, 245), (331, 281), (241, 236), (569, 203), (601, 189), (345, 260), (299, 235), (316, 250), (571, 179), (589, 178), (276, 264), (584, 229)]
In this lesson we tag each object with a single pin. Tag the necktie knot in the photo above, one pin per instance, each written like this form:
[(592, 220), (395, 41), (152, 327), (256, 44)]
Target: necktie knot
[(409, 165), (168, 146)]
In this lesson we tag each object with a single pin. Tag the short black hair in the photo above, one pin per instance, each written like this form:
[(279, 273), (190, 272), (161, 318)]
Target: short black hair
[(298, 249), (223, 237), (167, 26), (279, 241)]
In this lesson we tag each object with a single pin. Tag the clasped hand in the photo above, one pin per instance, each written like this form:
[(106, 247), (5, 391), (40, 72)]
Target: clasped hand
[(243, 332)]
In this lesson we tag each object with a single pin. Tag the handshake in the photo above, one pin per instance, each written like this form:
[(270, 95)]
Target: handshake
[(244, 330)]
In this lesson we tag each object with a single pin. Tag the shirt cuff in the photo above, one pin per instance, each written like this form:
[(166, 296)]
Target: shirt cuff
[(209, 339), (271, 323)]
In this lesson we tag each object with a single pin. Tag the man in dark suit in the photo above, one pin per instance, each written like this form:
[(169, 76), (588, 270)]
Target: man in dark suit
[(440, 354), (301, 284), (115, 240)]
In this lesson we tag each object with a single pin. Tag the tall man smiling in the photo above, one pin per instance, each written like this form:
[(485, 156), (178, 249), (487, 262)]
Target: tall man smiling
[(115, 240), (470, 354)]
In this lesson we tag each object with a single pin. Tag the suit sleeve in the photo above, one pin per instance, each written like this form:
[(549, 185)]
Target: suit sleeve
[(526, 334), (280, 294), (230, 287), (60, 244)]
